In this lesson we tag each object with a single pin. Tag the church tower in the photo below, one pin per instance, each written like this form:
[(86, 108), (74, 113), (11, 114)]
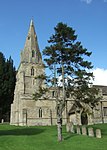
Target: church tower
[(31, 65)]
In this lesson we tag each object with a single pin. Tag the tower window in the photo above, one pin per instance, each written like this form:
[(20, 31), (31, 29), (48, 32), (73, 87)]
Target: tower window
[(32, 71), (40, 112), (28, 37), (53, 94), (33, 53), (105, 111), (67, 95)]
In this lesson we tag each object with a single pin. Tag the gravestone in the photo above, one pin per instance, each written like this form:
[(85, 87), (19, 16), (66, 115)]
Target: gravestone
[(90, 132), (98, 133), (72, 127), (67, 127), (2, 120), (78, 129), (84, 131)]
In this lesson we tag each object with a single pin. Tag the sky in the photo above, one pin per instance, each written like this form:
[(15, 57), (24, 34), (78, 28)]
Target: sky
[(87, 17)]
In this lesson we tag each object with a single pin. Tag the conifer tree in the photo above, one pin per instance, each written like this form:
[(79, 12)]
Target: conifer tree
[(65, 56), (7, 85), (2, 70)]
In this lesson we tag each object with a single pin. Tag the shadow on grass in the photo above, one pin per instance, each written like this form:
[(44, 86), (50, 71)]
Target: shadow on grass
[(69, 136), (23, 131)]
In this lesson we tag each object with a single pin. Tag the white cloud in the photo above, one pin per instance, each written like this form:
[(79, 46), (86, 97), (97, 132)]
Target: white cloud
[(86, 1), (100, 76), (89, 1)]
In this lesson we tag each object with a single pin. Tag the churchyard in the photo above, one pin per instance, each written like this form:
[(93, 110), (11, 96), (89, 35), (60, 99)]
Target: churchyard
[(45, 138)]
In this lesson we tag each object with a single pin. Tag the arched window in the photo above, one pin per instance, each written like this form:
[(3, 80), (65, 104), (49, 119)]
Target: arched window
[(40, 112), (53, 94), (33, 53), (67, 95), (32, 71)]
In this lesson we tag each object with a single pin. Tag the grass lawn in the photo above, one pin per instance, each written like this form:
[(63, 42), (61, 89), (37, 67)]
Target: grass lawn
[(45, 138)]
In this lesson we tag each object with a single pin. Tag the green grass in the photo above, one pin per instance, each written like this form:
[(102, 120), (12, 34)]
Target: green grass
[(45, 138)]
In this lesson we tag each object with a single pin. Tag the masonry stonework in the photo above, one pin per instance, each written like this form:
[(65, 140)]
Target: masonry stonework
[(25, 110)]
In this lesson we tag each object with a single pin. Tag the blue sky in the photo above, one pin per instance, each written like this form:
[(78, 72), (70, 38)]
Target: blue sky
[(87, 17)]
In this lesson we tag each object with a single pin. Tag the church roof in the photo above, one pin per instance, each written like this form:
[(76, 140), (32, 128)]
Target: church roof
[(102, 88)]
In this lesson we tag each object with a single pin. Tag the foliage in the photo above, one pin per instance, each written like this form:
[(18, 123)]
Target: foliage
[(41, 88), (7, 85), (86, 98), (85, 95), (40, 93), (66, 50), (66, 57)]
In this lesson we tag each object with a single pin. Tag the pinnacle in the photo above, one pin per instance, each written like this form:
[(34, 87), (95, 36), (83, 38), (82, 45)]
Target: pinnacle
[(31, 22)]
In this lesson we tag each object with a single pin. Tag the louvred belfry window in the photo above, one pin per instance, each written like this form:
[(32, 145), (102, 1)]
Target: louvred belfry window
[(105, 111), (40, 112), (32, 71), (33, 53)]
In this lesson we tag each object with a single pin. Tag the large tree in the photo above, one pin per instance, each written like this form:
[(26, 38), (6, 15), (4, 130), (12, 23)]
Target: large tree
[(2, 70), (7, 85), (65, 56)]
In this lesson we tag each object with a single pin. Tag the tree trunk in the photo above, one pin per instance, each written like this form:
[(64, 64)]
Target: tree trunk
[(60, 108), (59, 128), (63, 84)]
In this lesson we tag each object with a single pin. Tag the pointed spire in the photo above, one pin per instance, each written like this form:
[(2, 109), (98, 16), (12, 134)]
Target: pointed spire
[(31, 22), (32, 29), (31, 52)]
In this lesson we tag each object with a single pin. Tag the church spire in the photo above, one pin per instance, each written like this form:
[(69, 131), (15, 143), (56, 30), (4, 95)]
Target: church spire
[(31, 32), (31, 52), (31, 22)]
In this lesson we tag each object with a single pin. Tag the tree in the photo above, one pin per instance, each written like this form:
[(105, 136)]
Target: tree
[(7, 85), (11, 80), (2, 70), (65, 56), (85, 95)]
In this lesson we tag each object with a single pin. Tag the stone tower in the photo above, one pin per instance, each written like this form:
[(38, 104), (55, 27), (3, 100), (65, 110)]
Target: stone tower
[(31, 65)]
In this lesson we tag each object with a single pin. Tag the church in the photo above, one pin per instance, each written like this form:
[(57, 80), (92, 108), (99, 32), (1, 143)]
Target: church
[(25, 111)]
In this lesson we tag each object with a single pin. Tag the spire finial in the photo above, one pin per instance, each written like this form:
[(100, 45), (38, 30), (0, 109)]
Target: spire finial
[(31, 22)]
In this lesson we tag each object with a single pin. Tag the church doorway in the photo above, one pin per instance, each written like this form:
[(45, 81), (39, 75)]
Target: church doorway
[(84, 118)]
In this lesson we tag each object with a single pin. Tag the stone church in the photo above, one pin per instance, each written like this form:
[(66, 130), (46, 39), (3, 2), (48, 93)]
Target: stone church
[(25, 111)]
